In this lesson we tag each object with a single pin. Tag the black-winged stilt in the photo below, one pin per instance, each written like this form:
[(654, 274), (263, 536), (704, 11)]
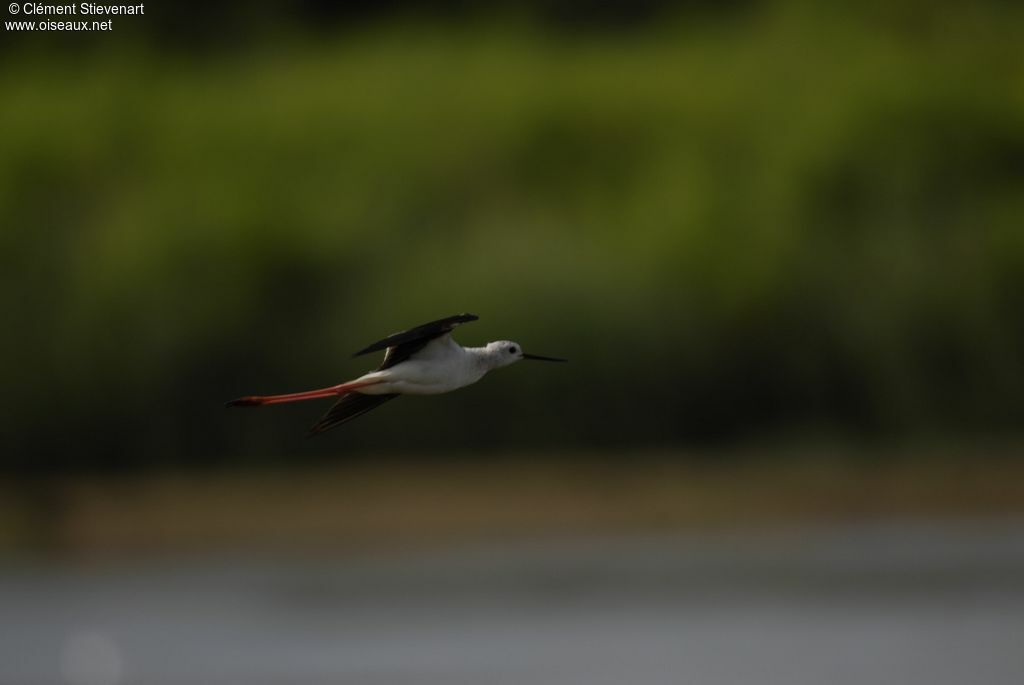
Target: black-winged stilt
[(420, 361)]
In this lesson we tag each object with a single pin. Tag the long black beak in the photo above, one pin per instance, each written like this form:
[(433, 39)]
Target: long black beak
[(543, 359)]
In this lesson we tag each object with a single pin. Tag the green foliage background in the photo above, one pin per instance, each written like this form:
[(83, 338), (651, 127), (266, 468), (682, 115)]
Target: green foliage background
[(780, 222)]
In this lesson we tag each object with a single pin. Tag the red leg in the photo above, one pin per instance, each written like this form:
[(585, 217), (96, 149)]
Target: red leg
[(333, 391)]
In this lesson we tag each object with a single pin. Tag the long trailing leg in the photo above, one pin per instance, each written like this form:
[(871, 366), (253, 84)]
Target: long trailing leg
[(332, 391)]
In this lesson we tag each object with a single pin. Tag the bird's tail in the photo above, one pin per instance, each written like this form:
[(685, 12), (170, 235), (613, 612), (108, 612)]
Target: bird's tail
[(332, 391)]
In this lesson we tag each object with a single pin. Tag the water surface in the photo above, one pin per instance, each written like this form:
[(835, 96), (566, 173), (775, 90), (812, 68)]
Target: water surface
[(914, 603)]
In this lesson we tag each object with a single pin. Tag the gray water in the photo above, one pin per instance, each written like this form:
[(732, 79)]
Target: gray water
[(930, 604)]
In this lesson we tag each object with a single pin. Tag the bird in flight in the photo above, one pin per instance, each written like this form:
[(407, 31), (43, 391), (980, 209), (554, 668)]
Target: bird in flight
[(424, 360)]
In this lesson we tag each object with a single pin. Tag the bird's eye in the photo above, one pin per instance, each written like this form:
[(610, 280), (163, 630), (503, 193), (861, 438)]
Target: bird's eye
[(513, 349)]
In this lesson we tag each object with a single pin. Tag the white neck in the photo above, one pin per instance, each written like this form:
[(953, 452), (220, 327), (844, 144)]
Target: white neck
[(488, 356), (485, 357)]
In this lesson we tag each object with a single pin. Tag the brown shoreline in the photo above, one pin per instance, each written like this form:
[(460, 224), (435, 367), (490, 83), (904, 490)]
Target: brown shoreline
[(399, 504)]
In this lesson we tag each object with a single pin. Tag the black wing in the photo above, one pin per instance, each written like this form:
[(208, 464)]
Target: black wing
[(350, 406), (400, 346)]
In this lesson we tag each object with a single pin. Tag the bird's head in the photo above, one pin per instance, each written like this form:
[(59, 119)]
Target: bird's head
[(505, 352)]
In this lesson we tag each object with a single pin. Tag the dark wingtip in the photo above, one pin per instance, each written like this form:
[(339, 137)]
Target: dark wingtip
[(428, 330), (249, 401)]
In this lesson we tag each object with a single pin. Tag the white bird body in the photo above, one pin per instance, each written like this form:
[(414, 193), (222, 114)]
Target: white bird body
[(441, 366), (424, 360)]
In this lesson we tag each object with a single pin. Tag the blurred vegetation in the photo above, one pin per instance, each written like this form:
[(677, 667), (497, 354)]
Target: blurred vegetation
[(779, 221)]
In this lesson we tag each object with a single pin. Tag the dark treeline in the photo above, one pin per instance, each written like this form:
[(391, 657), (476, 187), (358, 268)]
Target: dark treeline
[(789, 221)]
